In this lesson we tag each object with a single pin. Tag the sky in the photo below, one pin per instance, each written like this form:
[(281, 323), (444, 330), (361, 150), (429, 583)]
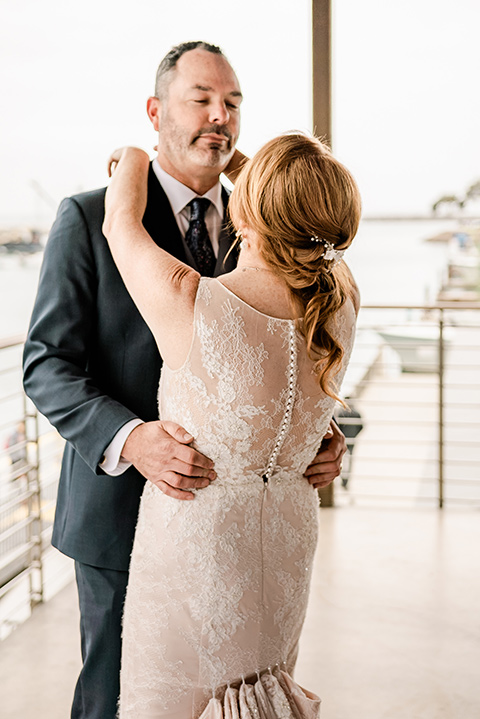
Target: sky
[(74, 79)]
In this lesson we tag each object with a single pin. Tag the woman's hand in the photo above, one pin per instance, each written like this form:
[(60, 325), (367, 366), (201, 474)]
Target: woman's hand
[(116, 156), (114, 159), (126, 197)]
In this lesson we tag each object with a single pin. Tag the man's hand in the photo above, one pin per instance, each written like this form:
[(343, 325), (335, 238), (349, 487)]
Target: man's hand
[(160, 451), (328, 463), (236, 163)]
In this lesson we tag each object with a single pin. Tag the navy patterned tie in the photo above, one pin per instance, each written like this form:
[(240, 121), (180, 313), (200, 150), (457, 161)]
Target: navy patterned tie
[(197, 237)]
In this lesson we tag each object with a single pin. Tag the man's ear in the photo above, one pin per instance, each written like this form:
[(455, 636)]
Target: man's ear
[(154, 107)]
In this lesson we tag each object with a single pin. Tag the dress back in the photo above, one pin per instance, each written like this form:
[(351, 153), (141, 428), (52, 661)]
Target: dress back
[(247, 391)]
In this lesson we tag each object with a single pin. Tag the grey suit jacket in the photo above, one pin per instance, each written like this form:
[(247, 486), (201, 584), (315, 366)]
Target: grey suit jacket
[(91, 365)]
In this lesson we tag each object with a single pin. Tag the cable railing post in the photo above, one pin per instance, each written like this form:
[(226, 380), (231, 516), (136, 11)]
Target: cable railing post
[(441, 419), (35, 514), (39, 542)]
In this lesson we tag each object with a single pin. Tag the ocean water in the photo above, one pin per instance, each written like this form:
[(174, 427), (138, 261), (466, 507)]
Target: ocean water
[(393, 264), (390, 260)]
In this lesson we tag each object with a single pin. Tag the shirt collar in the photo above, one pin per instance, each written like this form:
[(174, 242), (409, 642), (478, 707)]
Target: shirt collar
[(179, 195)]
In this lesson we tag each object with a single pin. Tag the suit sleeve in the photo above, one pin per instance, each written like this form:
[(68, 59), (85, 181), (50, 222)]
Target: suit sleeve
[(61, 339)]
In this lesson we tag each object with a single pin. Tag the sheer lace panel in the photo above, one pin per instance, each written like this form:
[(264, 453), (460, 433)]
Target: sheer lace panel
[(233, 391)]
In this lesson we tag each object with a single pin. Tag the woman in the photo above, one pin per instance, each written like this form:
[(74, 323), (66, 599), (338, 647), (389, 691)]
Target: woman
[(252, 367)]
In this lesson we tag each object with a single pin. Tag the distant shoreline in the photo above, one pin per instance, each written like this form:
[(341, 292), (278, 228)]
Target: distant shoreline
[(44, 226), (419, 218)]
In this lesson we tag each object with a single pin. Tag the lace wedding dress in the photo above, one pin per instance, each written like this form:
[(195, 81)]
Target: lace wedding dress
[(218, 585)]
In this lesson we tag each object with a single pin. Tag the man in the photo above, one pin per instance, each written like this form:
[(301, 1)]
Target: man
[(92, 367)]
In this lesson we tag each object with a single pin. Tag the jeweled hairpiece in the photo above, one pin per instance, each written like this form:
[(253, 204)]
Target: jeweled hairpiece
[(330, 252)]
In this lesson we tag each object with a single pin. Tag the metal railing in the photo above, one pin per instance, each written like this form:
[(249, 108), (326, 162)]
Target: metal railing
[(415, 380), (30, 452)]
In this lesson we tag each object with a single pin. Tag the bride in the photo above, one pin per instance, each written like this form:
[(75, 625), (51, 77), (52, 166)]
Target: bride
[(253, 363)]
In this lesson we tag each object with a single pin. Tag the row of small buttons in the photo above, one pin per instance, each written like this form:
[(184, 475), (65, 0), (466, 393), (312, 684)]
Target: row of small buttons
[(287, 417)]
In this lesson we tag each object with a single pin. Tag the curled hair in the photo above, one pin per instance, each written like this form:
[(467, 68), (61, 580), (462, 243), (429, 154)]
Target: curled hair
[(169, 63), (293, 189)]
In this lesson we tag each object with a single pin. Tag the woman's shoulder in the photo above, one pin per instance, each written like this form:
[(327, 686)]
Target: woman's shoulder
[(346, 317), (354, 297), (342, 323), (350, 287)]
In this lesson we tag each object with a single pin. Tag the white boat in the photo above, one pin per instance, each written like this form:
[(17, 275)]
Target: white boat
[(416, 345)]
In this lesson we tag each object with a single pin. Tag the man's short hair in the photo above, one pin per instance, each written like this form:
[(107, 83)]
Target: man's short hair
[(169, 62)]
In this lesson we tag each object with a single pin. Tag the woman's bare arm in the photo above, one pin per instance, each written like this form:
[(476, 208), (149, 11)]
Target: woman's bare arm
[(162, 287)]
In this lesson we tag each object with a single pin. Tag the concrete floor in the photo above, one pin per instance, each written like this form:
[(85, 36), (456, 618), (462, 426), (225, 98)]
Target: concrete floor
[(392, 632)]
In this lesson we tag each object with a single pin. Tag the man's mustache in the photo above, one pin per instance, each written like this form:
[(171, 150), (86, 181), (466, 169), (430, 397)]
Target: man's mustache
[(216, 130)]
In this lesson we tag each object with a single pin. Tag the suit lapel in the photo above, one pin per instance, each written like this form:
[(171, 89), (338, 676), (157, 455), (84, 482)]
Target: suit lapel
[(160, 222)]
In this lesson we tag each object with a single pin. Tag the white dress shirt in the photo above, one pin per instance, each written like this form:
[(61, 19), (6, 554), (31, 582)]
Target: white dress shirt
[(179, 196)]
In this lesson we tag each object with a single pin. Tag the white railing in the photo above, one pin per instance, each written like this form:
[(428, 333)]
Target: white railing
[(415, 380), (30, 452)]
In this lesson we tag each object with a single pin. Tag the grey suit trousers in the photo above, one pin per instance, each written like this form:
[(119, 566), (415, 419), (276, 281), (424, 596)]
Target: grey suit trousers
[(101, 594)]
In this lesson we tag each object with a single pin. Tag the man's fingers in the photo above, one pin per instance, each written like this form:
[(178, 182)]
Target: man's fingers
[(177, 432), (323, 468), (186, 454), (327, 465), (190, 470), (321, 485), (173, 492), (191, 482), (180, 481), (321, 480), (190, 456)]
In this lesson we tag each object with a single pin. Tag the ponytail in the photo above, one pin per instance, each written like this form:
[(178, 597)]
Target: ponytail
[(300, 200)]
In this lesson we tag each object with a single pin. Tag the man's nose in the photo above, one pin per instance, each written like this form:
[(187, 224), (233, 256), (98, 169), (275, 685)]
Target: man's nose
[(219, 114)]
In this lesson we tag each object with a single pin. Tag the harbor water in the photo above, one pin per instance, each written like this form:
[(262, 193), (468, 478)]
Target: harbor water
[(391, 262)]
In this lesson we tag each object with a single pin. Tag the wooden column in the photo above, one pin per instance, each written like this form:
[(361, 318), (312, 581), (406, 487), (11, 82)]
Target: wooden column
[(322, 64), (322, 109)]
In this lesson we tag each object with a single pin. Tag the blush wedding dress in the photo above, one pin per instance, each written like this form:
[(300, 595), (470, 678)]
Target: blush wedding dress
[(219, 585)]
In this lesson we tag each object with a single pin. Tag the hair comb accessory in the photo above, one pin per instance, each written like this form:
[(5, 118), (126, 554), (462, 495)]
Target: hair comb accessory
[(330, 252)]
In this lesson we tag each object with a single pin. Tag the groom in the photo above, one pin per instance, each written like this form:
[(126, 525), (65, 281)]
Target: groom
[(92, 367)]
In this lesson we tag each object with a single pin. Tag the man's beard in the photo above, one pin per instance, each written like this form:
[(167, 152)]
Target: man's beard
[(180, 142)]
